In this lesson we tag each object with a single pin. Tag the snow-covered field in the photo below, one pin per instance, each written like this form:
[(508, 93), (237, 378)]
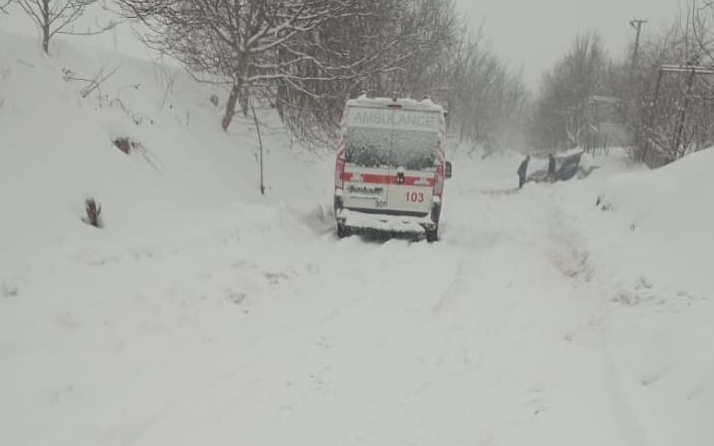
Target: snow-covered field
[(206, 314)]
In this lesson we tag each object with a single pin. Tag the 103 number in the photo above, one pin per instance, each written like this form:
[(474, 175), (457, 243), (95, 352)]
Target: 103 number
[(415, 197)]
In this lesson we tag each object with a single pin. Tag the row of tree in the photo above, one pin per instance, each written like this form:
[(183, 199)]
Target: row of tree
[(306, 57), (660, 91)]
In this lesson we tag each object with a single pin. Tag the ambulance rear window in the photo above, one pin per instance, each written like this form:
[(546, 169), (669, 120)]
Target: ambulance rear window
[(415, 150), (374, 147)]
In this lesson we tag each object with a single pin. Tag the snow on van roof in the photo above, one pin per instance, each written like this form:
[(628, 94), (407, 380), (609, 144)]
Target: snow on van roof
[(406, 103)]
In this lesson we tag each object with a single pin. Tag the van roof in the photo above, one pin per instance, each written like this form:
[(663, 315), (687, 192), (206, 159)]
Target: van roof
[(406, 103)]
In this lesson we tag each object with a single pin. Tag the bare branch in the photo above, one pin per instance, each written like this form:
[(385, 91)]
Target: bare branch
[(58, 17), (95, 82), (304, 57), (29, 9)]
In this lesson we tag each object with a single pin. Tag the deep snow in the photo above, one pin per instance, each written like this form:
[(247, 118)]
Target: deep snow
[(204, 313)]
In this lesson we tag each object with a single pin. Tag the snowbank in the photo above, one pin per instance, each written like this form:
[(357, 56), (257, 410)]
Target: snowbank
[(669, 213), (57, 149)]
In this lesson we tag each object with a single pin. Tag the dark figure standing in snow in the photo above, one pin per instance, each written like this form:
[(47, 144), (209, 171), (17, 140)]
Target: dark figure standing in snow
[(522, 170), (551, 167)]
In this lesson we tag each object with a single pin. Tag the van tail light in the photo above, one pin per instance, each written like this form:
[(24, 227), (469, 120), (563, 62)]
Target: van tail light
[(439, 181), (340, 170)]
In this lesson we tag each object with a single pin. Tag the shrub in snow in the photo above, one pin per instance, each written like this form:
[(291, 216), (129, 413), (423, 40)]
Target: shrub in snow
[(127, 145), (94, 211), (602, 204), (8, 291)]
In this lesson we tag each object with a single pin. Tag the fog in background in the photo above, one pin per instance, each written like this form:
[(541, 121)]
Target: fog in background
[(533, 35)]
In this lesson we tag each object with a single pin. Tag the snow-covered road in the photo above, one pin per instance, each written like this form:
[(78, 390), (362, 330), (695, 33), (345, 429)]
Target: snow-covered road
[(256, 325), (206, 314)]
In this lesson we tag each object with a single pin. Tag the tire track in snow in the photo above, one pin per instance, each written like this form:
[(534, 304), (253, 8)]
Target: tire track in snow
[(558, 244), (573, 262), (453, 287)]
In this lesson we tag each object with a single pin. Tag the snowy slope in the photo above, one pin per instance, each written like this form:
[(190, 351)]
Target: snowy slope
[(187, 166), (668, 211), (204, 313), (648, 249)]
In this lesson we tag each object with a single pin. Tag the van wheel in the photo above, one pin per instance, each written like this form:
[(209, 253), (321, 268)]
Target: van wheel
[(432, 235), (342, 231)]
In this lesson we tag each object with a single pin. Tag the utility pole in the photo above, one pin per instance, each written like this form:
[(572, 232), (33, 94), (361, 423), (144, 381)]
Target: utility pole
[(683, 116), (637, 24), (631, 92), (653, 113)]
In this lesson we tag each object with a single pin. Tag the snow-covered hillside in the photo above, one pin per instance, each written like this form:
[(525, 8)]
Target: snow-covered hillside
[(669, 211), (205, 313), (185, 166)]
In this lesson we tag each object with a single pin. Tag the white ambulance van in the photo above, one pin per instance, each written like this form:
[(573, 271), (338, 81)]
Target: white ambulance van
[(391, 167)]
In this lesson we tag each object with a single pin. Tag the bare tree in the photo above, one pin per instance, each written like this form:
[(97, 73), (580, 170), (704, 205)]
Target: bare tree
[(59, 17), (413, 48), (4, 5), (304, 57), (385, 48), (563, 113), (246, 45), (487, 98), (673, 110)]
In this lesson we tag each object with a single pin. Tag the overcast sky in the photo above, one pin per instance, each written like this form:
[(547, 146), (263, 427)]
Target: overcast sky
[(534, 34), (530, 34)]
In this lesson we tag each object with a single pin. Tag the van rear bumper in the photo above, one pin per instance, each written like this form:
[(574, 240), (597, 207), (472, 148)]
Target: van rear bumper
[(393, 222)]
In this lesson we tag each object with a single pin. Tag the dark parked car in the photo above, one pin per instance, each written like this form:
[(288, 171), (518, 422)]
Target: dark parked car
[(567, 166)]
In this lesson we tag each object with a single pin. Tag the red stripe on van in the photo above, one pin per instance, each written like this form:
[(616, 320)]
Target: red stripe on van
[(369, 178)]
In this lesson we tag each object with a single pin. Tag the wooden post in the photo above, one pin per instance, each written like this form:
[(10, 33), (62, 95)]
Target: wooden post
[(604, 145), (683, 116), (653, 111), (260, 147), (637, 24)]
